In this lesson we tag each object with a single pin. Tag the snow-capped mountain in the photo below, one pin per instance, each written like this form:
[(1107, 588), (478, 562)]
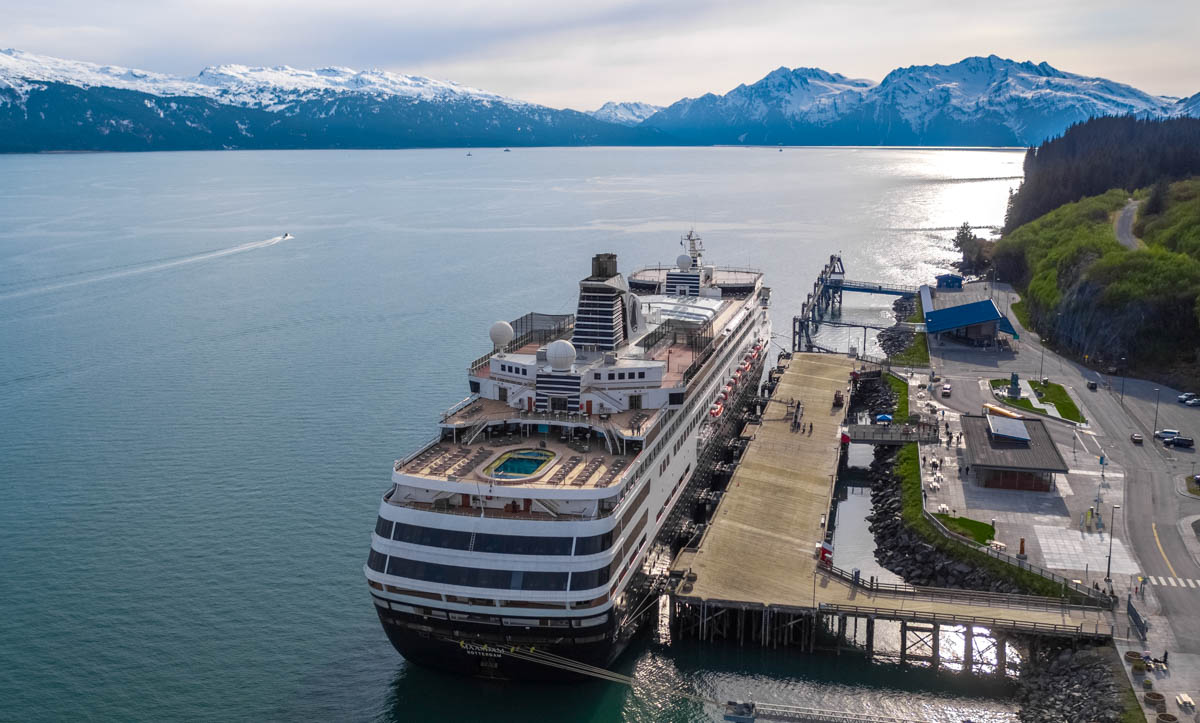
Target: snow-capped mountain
[(626, 114), (54, 104), (977, 101)]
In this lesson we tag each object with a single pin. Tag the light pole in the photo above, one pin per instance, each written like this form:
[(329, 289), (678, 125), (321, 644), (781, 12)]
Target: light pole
[(1108, 570), (1042, 366), (1124, 373), (1156, 394)]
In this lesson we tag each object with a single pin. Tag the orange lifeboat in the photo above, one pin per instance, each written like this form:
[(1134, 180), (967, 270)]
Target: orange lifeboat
[(716, 410), (745, 366), (737, 376)]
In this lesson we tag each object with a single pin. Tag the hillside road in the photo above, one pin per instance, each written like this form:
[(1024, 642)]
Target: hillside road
[(1123, 225)]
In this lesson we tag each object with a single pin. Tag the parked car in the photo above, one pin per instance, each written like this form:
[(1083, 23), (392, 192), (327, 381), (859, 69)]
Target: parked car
[(1193, 402), (1136, 438), (1164, 433), (945, 390), (1179, 441), (1186, 396), (1092, 386)]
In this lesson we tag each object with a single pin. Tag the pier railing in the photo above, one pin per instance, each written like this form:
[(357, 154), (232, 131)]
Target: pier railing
[(970, 597), (921, 616)]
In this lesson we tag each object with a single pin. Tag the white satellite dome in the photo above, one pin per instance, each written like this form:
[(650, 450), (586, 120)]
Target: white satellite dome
[(684, 262), (501, 333), (561, 355)]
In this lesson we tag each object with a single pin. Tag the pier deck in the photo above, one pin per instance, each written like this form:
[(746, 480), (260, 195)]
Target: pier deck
[(759, 551)]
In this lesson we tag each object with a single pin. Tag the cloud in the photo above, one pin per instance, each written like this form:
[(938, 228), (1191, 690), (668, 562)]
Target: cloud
[(582, 54)]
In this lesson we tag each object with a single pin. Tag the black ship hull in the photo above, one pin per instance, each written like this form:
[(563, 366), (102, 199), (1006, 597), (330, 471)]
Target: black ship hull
[(466, 651)]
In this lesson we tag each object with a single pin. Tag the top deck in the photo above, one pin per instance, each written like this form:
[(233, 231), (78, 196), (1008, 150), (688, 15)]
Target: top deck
[(760, 547), (722, 276)]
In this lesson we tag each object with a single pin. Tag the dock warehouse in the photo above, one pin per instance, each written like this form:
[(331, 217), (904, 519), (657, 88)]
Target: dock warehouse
[(976, 321), (1015, 454)]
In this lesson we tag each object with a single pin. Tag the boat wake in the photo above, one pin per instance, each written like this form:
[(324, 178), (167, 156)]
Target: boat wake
[(90, 277)]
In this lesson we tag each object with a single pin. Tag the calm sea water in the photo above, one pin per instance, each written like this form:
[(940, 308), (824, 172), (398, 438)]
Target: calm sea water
[(197, 425)]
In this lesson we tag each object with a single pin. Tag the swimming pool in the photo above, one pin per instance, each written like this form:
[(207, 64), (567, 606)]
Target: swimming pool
[(519, 464)]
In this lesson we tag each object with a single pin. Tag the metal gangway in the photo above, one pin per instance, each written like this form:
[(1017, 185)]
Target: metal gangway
[(892, 433), (827, 294)]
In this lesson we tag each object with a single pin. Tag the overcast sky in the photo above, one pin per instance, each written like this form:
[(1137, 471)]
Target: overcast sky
[(580, 54)]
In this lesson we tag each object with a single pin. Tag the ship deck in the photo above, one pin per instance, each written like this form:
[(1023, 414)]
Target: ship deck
[(576, 463), (728, 276)]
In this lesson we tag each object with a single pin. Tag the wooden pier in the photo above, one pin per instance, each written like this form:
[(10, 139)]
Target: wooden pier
[(755, 576)]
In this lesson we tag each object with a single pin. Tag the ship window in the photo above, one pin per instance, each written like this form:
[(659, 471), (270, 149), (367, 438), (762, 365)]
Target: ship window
[(383, 527), (621, 375), (524, 372), (593, 544), (589, 579), (377, 561), (484, 542), (675, 398), (474, 387), (611, 376), (596, 375), (641, 375)]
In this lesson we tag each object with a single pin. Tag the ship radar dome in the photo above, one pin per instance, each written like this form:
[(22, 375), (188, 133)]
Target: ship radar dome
[(501, 333), (684, 262), (561, 355)]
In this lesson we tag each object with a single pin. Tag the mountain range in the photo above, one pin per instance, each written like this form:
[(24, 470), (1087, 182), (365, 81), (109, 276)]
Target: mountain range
[(51, 104)]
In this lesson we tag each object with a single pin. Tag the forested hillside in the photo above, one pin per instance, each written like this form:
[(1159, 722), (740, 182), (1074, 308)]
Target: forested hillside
[(1088, 294), (1103, 153)]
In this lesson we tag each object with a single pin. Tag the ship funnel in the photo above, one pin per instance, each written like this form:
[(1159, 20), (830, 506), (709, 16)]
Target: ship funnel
[(604, 266)]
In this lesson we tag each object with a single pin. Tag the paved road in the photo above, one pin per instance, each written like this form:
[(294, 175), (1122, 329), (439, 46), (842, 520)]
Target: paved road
[(1123, 225), (1152, 507)]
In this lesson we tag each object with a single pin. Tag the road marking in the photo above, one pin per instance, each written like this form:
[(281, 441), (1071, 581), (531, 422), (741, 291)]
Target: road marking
[(1154, 528), (1172, 581), (1156, 580)]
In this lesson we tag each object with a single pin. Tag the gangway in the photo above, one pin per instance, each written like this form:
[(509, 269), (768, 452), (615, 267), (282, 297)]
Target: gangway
[(893, 434), (827, 294)]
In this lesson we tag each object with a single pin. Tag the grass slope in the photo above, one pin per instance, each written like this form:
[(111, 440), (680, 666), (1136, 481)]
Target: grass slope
[(981, 532), (900, 389), (915, 354)]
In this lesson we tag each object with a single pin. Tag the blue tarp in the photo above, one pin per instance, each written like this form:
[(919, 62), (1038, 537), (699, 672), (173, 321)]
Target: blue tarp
[(883, 418)]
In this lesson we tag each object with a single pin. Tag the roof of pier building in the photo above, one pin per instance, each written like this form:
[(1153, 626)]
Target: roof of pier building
[(963, 315), (1017, 444)]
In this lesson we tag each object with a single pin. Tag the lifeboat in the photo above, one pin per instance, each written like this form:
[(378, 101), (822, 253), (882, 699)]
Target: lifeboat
[(716, 410), (745, 366), (737, 376), (723, 395)]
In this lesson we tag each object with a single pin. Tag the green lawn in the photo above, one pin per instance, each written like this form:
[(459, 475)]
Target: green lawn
[(981, 532), (1051, 393), (900, 389), (916, 354), (918, 316), (1058, 396)]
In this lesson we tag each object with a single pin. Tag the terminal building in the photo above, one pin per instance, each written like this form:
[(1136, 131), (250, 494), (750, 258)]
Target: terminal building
[(948, 313), (1014, 454)]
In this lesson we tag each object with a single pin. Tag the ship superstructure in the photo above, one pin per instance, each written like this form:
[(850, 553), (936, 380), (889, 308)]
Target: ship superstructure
[(524, 521)]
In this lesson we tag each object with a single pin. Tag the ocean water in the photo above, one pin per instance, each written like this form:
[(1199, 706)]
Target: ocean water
[(198, 417)]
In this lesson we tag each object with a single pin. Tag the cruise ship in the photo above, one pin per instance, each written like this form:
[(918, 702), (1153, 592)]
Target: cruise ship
[(525, 524)]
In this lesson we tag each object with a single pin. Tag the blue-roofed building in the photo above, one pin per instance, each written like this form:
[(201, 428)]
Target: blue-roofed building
[(949, 281), (975, 322)]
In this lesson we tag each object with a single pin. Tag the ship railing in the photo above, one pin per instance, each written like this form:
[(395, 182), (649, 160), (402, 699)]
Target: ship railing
[(459, 407), (429, 443), (498, 512)]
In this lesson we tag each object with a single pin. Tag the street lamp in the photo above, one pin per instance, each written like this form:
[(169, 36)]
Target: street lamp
[(1156, 394), (1042, 366), (1108, 570)]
